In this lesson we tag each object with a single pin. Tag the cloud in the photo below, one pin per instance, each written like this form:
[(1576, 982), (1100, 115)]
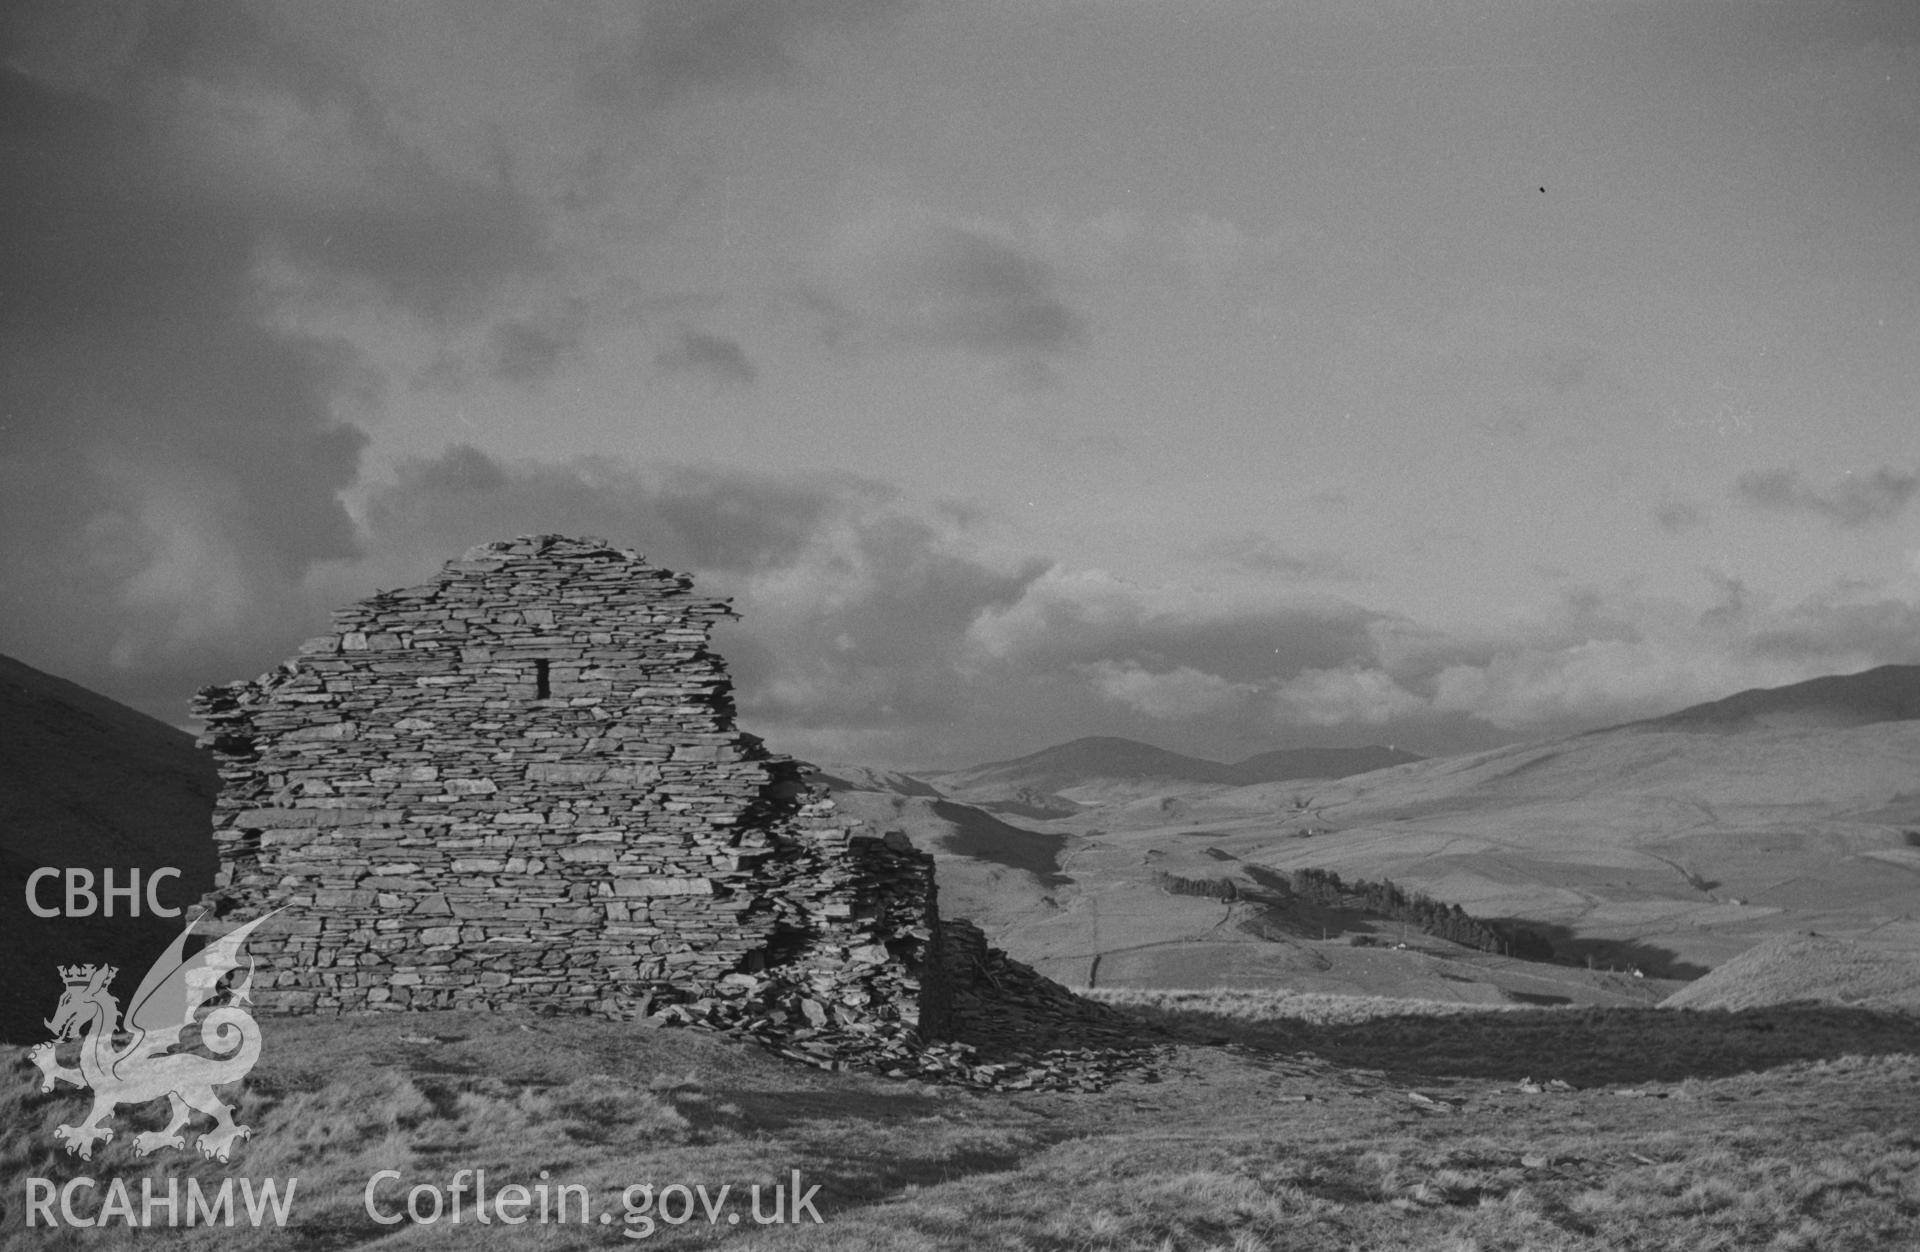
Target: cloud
[(1345, 697), (956, 286), (1223, 669), (1182, 692), (1536, 691), (876, 629), (238, 215), (1678, 515), (1531, 373), (683, 47), (1077, 618), (1195, 253), (905, 277), (856, 609), (81, 49), (1855, 500), (1601, 660), (174, 450), (524, 353), (1876, 629), (712, 520), (290, 138), (880, 630), (167, 455), (714, 357), (1261, 554)]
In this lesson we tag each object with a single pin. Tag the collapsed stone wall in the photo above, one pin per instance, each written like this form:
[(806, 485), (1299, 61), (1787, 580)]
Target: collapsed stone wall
[(521, 785)]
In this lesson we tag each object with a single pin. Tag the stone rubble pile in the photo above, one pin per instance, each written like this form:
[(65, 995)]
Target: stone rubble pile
[(1009, 1028)]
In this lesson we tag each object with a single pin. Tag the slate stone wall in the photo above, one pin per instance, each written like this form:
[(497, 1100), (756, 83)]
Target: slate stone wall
[(520, 785)]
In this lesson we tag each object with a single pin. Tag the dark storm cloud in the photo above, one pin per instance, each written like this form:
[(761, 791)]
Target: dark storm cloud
[(461, 471), (1678, 515), (524, 353), (701, 518), (684, 46), (893, 658), (1262, 555), (160, 443), (282, 140), (531, 350), (1855, 500), (980, 293), (1734, 606), (714, 357), (436, 245), (1836, 634), (732, 520), (905, 279), (172, 456)]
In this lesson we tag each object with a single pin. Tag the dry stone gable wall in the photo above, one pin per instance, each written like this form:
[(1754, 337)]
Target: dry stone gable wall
[(520, 785)]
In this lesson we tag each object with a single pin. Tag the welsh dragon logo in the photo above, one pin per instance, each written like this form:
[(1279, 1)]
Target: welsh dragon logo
[(147, 1066)]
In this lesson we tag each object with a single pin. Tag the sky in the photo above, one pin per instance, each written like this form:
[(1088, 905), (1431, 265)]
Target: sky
[(1229, 376)]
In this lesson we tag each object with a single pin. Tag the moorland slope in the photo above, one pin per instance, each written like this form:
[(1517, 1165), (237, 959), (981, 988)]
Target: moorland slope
[(87, 783), (1665, 847)]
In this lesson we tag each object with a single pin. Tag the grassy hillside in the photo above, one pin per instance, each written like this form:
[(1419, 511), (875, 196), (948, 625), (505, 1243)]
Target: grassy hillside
[(1663, 850), (1090, 909), (1888, 693), (1101, 764), (1408, 1129), (88, 783), (1810, 968), (1651, 848)]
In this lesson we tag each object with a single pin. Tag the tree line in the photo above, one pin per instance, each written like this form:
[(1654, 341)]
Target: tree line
[(1444, 921), (1212, 888), (1380, 899)]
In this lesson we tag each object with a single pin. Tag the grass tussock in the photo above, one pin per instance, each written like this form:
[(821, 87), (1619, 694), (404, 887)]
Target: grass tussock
[(1239, 1149), (1587, 1045), (1231, 1005), (1310, 1188)]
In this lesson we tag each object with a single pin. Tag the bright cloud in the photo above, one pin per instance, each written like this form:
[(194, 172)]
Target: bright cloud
[(1345, 697), (1183, 692)]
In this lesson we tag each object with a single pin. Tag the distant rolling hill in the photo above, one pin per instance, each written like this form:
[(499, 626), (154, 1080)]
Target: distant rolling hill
[(864, 778), (1105, 760), (89, 783), (1290, 764), (1890, 693), (1667, 846)]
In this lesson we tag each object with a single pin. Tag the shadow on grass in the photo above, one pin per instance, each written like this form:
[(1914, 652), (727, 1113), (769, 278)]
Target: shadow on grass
[(785, 1110), (1586, 1046), (1616, 954), (851, 1172), (987, 838)]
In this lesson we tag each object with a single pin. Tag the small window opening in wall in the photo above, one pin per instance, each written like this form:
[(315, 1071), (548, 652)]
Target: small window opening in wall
[(542, 690)]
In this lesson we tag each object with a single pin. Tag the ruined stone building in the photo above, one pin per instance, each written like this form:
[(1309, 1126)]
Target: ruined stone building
[(521, 785)]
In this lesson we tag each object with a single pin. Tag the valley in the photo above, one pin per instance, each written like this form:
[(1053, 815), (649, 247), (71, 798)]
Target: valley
[(1646, 855)]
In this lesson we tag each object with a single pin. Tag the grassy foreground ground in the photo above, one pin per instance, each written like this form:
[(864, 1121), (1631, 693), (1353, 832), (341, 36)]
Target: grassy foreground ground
[(1286, 1123)]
